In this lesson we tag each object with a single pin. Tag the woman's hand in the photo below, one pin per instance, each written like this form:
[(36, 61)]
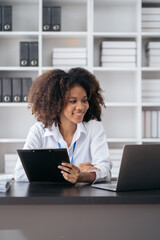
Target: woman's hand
[(70, 172), (87, 167)]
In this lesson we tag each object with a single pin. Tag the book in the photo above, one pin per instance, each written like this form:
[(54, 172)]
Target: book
[(148, 124), (69, 62), (150, 24), (6, 181), (155, 59), (81, 49), (151, 10), (158, 124), (118, 64), (150, 93), (151, 99), (150, 85), (154, 124), (117, 52), (118, 58), (118, 44), (154, 64), (150, 17), (68, 55), (153, 52), (153, 45)]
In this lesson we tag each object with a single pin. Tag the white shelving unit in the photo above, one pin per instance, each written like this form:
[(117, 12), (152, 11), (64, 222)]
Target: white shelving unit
[(84, 23)]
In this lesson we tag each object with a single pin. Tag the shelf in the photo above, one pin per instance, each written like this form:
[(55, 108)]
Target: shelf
[(109, 104), (12, 140), (84, 23), (104, 69), (150, 69), (151, 140), (125, 140), (13, 34), (12, 104), (19, 68), (150, 104), (64, 34), (116, 34)]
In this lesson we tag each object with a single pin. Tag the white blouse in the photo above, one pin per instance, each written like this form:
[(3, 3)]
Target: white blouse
[(91, 146)]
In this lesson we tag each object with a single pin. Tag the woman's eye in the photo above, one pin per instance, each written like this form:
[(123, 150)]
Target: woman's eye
[(85, 100), (72, 101)]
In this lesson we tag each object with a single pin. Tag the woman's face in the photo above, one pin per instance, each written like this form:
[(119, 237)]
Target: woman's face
[(76, 107)]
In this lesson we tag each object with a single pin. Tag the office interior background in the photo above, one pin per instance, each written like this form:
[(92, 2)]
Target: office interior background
[(117, 40)]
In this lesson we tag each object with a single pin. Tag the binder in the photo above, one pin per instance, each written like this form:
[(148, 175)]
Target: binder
[(56, 18), (0, 89), (6, 89), (46, 18), (16, 89), (24, 54), (7, 18), (33, 54), (26, 84), (0, 18)]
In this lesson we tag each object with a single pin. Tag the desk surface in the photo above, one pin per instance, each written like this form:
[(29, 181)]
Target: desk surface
[(30, 194)]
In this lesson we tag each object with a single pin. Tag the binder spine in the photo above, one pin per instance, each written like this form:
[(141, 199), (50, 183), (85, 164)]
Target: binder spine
[(24, 54), (33, 54), (0, 89), (56, 18), (46, 19), (6, 89), (7, 18), (0, 18), (26, 84), (16, 90)]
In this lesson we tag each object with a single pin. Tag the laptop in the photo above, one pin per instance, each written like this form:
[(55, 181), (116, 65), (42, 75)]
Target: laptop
[(41, 165), (139, 170)]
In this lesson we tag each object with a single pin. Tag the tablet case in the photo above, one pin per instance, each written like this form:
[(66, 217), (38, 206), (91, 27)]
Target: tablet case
[(41, 165)]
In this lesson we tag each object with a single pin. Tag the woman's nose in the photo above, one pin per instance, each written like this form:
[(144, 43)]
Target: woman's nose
[(80, 106)]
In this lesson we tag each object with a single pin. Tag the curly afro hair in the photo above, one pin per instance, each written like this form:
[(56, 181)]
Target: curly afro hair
[(48, 94)]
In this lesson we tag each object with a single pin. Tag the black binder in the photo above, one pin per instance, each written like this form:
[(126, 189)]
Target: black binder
[(33, 54), (0, 18), (46, 18), (56, 18), (26, 84), (16, 90), (0, 89), (24, 54), (7, 18), (6, 89)]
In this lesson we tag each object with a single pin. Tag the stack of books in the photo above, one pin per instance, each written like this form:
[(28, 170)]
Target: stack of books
[(69, 57), (118, 54), (151, 90), (151, 19), (153, 54), (10, 163), (115, 157), (151, 123)]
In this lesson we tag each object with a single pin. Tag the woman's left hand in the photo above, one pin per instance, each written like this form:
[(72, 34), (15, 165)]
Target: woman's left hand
[(70, 172)]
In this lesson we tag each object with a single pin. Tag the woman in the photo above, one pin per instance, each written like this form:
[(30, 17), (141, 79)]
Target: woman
[(67, 107)]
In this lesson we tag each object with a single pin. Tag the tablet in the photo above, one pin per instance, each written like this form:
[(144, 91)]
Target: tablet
[(41, 165)]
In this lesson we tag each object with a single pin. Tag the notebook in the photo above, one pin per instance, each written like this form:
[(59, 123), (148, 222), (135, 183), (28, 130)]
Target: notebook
[(41, 165), (139, 170)]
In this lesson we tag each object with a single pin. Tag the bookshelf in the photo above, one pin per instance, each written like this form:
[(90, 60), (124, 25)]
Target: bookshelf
[(84, 23)]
